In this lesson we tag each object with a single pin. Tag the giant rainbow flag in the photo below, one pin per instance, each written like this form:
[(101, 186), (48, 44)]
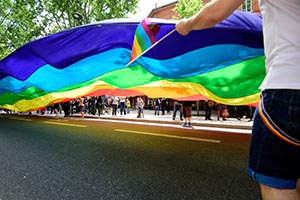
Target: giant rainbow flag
[(224, 63)]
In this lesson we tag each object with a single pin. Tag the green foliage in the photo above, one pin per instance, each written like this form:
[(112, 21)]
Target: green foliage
[(187, 8), (22, 21)]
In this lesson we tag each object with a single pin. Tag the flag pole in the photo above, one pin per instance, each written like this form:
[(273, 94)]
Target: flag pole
[(158, 41)]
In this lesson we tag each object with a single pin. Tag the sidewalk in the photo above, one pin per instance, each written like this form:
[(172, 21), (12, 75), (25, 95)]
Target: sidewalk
[(197, 120), (167, 119)]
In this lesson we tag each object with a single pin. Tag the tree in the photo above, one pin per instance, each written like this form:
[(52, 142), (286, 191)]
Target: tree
[(17, 24), (22, 21), (187, 8)]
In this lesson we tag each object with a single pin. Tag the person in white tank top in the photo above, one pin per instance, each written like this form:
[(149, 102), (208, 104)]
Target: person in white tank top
[(281, 21), (274, 160)]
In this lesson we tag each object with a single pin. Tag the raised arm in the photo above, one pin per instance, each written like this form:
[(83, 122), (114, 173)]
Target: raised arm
[(211, 14)]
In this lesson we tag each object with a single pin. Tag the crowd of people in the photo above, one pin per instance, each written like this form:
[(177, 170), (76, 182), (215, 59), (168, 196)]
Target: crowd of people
[(121, 105), (100, 105)]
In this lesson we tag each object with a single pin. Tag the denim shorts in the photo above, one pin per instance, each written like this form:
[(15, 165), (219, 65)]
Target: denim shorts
[(273, 161)]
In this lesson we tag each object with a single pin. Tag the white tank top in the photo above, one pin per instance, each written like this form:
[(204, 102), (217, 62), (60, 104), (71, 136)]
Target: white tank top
[(281, 27)]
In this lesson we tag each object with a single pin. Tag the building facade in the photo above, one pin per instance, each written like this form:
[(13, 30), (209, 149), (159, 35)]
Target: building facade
[(166, 11)]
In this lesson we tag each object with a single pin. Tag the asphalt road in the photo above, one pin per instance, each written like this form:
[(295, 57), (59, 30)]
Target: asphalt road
[(49, 159)]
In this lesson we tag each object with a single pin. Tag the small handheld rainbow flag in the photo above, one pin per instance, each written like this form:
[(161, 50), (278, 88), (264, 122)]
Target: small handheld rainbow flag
[(144, 37)]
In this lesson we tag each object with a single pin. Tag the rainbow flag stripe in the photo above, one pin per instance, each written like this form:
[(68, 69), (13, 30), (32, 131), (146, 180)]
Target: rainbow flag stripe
[(225, 63)]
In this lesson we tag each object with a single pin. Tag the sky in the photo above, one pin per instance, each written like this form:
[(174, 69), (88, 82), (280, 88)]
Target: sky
[(146, 6)]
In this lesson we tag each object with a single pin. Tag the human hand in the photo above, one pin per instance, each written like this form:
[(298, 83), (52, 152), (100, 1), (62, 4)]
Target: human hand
[(182, 27)]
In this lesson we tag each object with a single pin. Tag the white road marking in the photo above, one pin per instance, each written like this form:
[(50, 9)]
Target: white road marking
[(229, 130), (169, 136), (21, 119), (197, 127), (65, 124)]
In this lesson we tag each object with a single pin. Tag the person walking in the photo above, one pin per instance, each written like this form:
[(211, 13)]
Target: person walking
[(164, 102), (81, 106), (56, 109), (66, 107), (242, 112), (274, 158), (251, 111), (140, 107), (187, 113), (100, 105), (123, 105), (220, 111), (92, 105), (177, 107), (114, 103), (208, 107), (128, 105), (156, 106)]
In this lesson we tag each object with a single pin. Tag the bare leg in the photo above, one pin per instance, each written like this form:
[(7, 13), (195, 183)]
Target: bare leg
[(219, 113), (189, 120), (270, 193), (298, 186)]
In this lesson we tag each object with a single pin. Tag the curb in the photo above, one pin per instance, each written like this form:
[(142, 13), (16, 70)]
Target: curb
[(214, 124), (231, 123)]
